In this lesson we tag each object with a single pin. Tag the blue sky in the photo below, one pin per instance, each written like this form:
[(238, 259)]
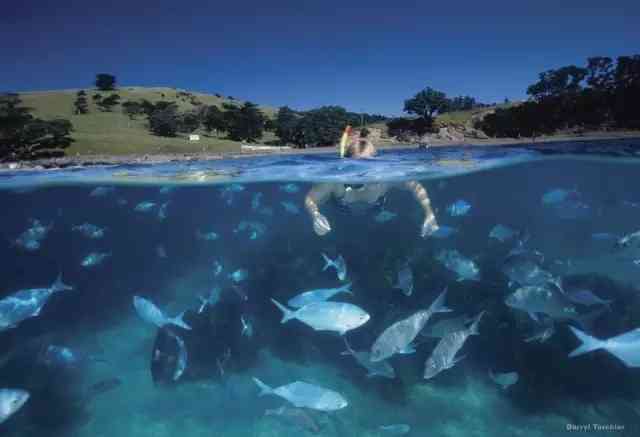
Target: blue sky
[(366, 56)]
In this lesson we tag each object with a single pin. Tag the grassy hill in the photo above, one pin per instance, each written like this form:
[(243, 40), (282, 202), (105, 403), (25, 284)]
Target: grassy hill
[(114, 133)]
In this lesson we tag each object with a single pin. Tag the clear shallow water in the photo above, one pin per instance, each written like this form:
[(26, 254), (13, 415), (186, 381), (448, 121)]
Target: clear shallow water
[(111, 390)]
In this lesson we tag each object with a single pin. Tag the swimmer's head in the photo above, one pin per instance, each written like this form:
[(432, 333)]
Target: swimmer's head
[(360, 148)]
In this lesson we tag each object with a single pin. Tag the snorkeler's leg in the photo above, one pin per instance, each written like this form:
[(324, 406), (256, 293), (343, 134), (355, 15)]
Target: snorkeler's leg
[(318, 195), (430, 224)]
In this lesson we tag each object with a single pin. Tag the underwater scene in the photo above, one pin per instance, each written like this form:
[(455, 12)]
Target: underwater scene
[(449, 292)]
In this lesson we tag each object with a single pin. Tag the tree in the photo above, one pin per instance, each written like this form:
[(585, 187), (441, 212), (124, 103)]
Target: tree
[(558, 83), (132, 109), (188, 122), (320, 127), (105, 82), (164, 121), (214, 120), (245, 123), (286, 125), (108, 103), (426, 103)]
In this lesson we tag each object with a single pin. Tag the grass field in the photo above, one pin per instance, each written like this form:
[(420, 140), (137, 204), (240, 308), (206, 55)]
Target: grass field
[(114, 133)]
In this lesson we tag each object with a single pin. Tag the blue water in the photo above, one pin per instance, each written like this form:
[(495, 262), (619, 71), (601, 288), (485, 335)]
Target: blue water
[(111, 391)]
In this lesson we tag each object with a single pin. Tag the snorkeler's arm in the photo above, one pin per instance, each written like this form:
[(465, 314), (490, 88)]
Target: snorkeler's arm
[(318, 195), (430, 224)]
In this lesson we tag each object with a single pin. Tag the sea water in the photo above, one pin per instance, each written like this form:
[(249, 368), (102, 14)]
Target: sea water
[(167, 258)]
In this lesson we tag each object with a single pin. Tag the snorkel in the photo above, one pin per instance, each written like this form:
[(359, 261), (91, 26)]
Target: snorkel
[(344, 140)]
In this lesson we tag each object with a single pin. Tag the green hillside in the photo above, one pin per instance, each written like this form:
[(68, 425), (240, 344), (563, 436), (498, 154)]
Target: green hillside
[(114, 133)]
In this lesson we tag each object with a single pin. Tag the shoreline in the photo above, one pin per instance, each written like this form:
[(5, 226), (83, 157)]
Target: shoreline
[(99, 160)]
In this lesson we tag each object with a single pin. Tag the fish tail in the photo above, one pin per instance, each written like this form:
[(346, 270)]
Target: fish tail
[(473, 329), (438, 305), (346, 288), (179, 321), (349, 351), (264, 388), (588, 343), (58, 285), (287, 314), (328, 262)]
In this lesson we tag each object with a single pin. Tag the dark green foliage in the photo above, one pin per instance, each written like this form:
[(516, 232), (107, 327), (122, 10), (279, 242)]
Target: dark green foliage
[(105, 82), (286, 125), (245, 123), (270, 125), (108, 103), (188, 122), (214, 120), (23, 136), (427, 103), (403, 128), (164, 120), (132, 109), (81, 93), (81, 106), (97, 97), (364, 132), (462, 103), (321, 127)]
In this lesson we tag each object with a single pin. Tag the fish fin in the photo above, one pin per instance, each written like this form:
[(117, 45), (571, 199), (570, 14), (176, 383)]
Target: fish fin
[(264, 388), (408, 349), (588, 343), (58, 285), (178, 321), (473, 329), (456, 360), (438, 305), (287, 314), (328, 262), (349, 350), (534, 317), (346, 288)]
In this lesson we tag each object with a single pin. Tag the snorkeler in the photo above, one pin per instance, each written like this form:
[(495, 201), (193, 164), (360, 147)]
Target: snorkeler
[(363, 197)]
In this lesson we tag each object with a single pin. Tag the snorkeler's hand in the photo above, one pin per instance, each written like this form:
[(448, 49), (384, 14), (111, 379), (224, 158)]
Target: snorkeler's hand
[(320, 224), (429, 226)]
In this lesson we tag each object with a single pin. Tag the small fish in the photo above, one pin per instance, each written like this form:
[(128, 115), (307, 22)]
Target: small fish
[(211, 300), (94, 259), (631, 204), (318, 295), (31, 239), (149, 312), (239, 275), (603, 236), (290, 188), (405, 280), (161, 251), (290, 207), (558, 195), (222, 362), (101, 191), (145, 206), (549, 300), (11, 400), (444, 232), (255, 229), (397, 429), (206, 236), (459, 208), (296, 416), (443, 356), (162, 211), (90, 231), (374, 368), (255, 201), (465, 268), (625, 347), (587, 298), (502, 233), (305, 395), (385, 216), (217, 268), (59, 356), (636, 262), (247, 328), (399, 336), (339, 264), (167, 189), (629, 240), (542, 335), (228, 192), (522, 269), (181, 364), (337, 317), (504, 380)]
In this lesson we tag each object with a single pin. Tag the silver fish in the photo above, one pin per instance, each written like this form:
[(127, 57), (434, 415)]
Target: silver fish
[(290, 207), (94, 259), (625, 347), (558, 195), (11, 400), (211, 300), (397, 429), (255, 201), (90, 231), (161, 252), (522, 270), (444, 232), (374, 368), (443, 356), (629, 240), (31, 239), (339, 264), (544, 333), (338, 317), (318, 295), (305, 395), (587, 298), (446, 326), (207, 236), (548, 300), (162, 211), (255, 229), (247, 327), (464, 268), (239, 275), (399, 336), (102, 191), (384, 216), (504, 380), (228, 192), (405, 280), (181, 364), (145, 206), (502, 233), (167, 189), (150, 313), (27, 303), (290, 188), (459, 208)]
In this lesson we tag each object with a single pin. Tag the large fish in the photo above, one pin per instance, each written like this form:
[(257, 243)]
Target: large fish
[(405, 280), (374, 368), (504, 380), (305, 395), (338, 317), (24, 304), (464, 268), (445, 326), (625, 347), (521, 269), (319, 295), (339, 264), (11, 400), (398, 337), (443, 356), (548, 300), (149, 312)]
